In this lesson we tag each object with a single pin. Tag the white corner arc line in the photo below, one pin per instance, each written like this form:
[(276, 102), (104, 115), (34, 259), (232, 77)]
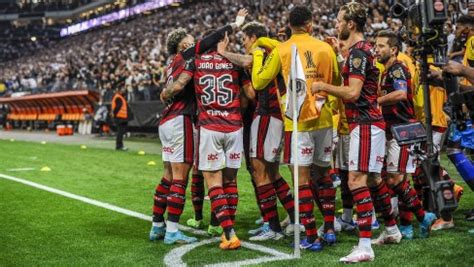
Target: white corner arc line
[(252, 261), (175, 258)]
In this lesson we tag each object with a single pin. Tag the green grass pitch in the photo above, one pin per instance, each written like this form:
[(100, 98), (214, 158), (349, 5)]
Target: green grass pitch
[(42, 228)]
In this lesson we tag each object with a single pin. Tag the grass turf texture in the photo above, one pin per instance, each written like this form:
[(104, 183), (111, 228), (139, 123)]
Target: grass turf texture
[(42, 228)]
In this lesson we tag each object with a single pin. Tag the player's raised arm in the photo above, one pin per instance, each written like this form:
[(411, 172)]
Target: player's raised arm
[(212, 39), (237, 59)]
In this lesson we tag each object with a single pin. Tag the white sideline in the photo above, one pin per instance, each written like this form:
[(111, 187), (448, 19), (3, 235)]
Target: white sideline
[(174, 257)]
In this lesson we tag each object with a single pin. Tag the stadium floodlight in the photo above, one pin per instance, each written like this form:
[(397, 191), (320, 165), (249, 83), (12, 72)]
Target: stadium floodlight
[(294, 148)]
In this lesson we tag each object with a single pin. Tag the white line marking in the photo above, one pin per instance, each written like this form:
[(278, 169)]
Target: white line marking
[(174, 257), (263, 249), (97, 203), (252, 261), (20, 169)]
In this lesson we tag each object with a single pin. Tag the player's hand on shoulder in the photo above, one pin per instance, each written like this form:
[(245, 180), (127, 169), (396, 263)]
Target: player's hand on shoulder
[(266, 43), (256, 49)]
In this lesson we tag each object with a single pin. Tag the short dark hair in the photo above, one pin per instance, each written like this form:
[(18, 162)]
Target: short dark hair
[(393, 38), (173, 40), (357, 13), (255, 28), (466, 20), (300, 16)]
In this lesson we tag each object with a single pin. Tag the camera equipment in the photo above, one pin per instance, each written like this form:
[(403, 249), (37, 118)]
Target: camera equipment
[(424, 27), (441, 191), (409, 133), (424, 31)]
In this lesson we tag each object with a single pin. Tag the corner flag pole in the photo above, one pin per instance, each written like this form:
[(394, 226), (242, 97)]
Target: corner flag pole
[(294, 143)]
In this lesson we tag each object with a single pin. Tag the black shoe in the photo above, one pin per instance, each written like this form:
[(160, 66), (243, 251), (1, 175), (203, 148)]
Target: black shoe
[(122, 148), (469, 215)]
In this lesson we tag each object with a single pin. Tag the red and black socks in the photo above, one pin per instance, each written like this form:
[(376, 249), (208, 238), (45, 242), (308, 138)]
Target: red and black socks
[(159, 200), (286, 198), (408, 196), (364, 208), (232, 193), (406, 216), (219, 206), (197, 194), (327, 197), (306, 206), (381, 198), (267, 200), (256, 197), (175, 200)]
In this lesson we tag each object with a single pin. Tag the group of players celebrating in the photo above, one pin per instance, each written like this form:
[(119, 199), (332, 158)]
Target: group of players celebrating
[(220, 104)]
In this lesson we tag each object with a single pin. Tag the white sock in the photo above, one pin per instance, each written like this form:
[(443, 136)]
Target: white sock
[(158, 224), (391, 229), (171, 227), (346, 215), (364, 242), (374, 217)]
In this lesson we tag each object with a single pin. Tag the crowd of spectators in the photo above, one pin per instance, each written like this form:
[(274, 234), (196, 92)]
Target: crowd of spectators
[(27, 6), (133, 53)]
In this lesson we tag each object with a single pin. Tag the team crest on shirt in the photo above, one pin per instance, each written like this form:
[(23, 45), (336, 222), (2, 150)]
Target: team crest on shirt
[(397, 73), (356, 62), (218, 57), (309, 60)]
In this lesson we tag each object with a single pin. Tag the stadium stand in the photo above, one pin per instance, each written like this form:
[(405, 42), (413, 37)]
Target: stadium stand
[(102, 58), (132, 52)]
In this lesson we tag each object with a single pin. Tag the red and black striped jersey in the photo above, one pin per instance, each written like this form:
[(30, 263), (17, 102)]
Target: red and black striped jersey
[(217, 84), (184, 102), (397, 77), (360, 64), (267, 99)]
